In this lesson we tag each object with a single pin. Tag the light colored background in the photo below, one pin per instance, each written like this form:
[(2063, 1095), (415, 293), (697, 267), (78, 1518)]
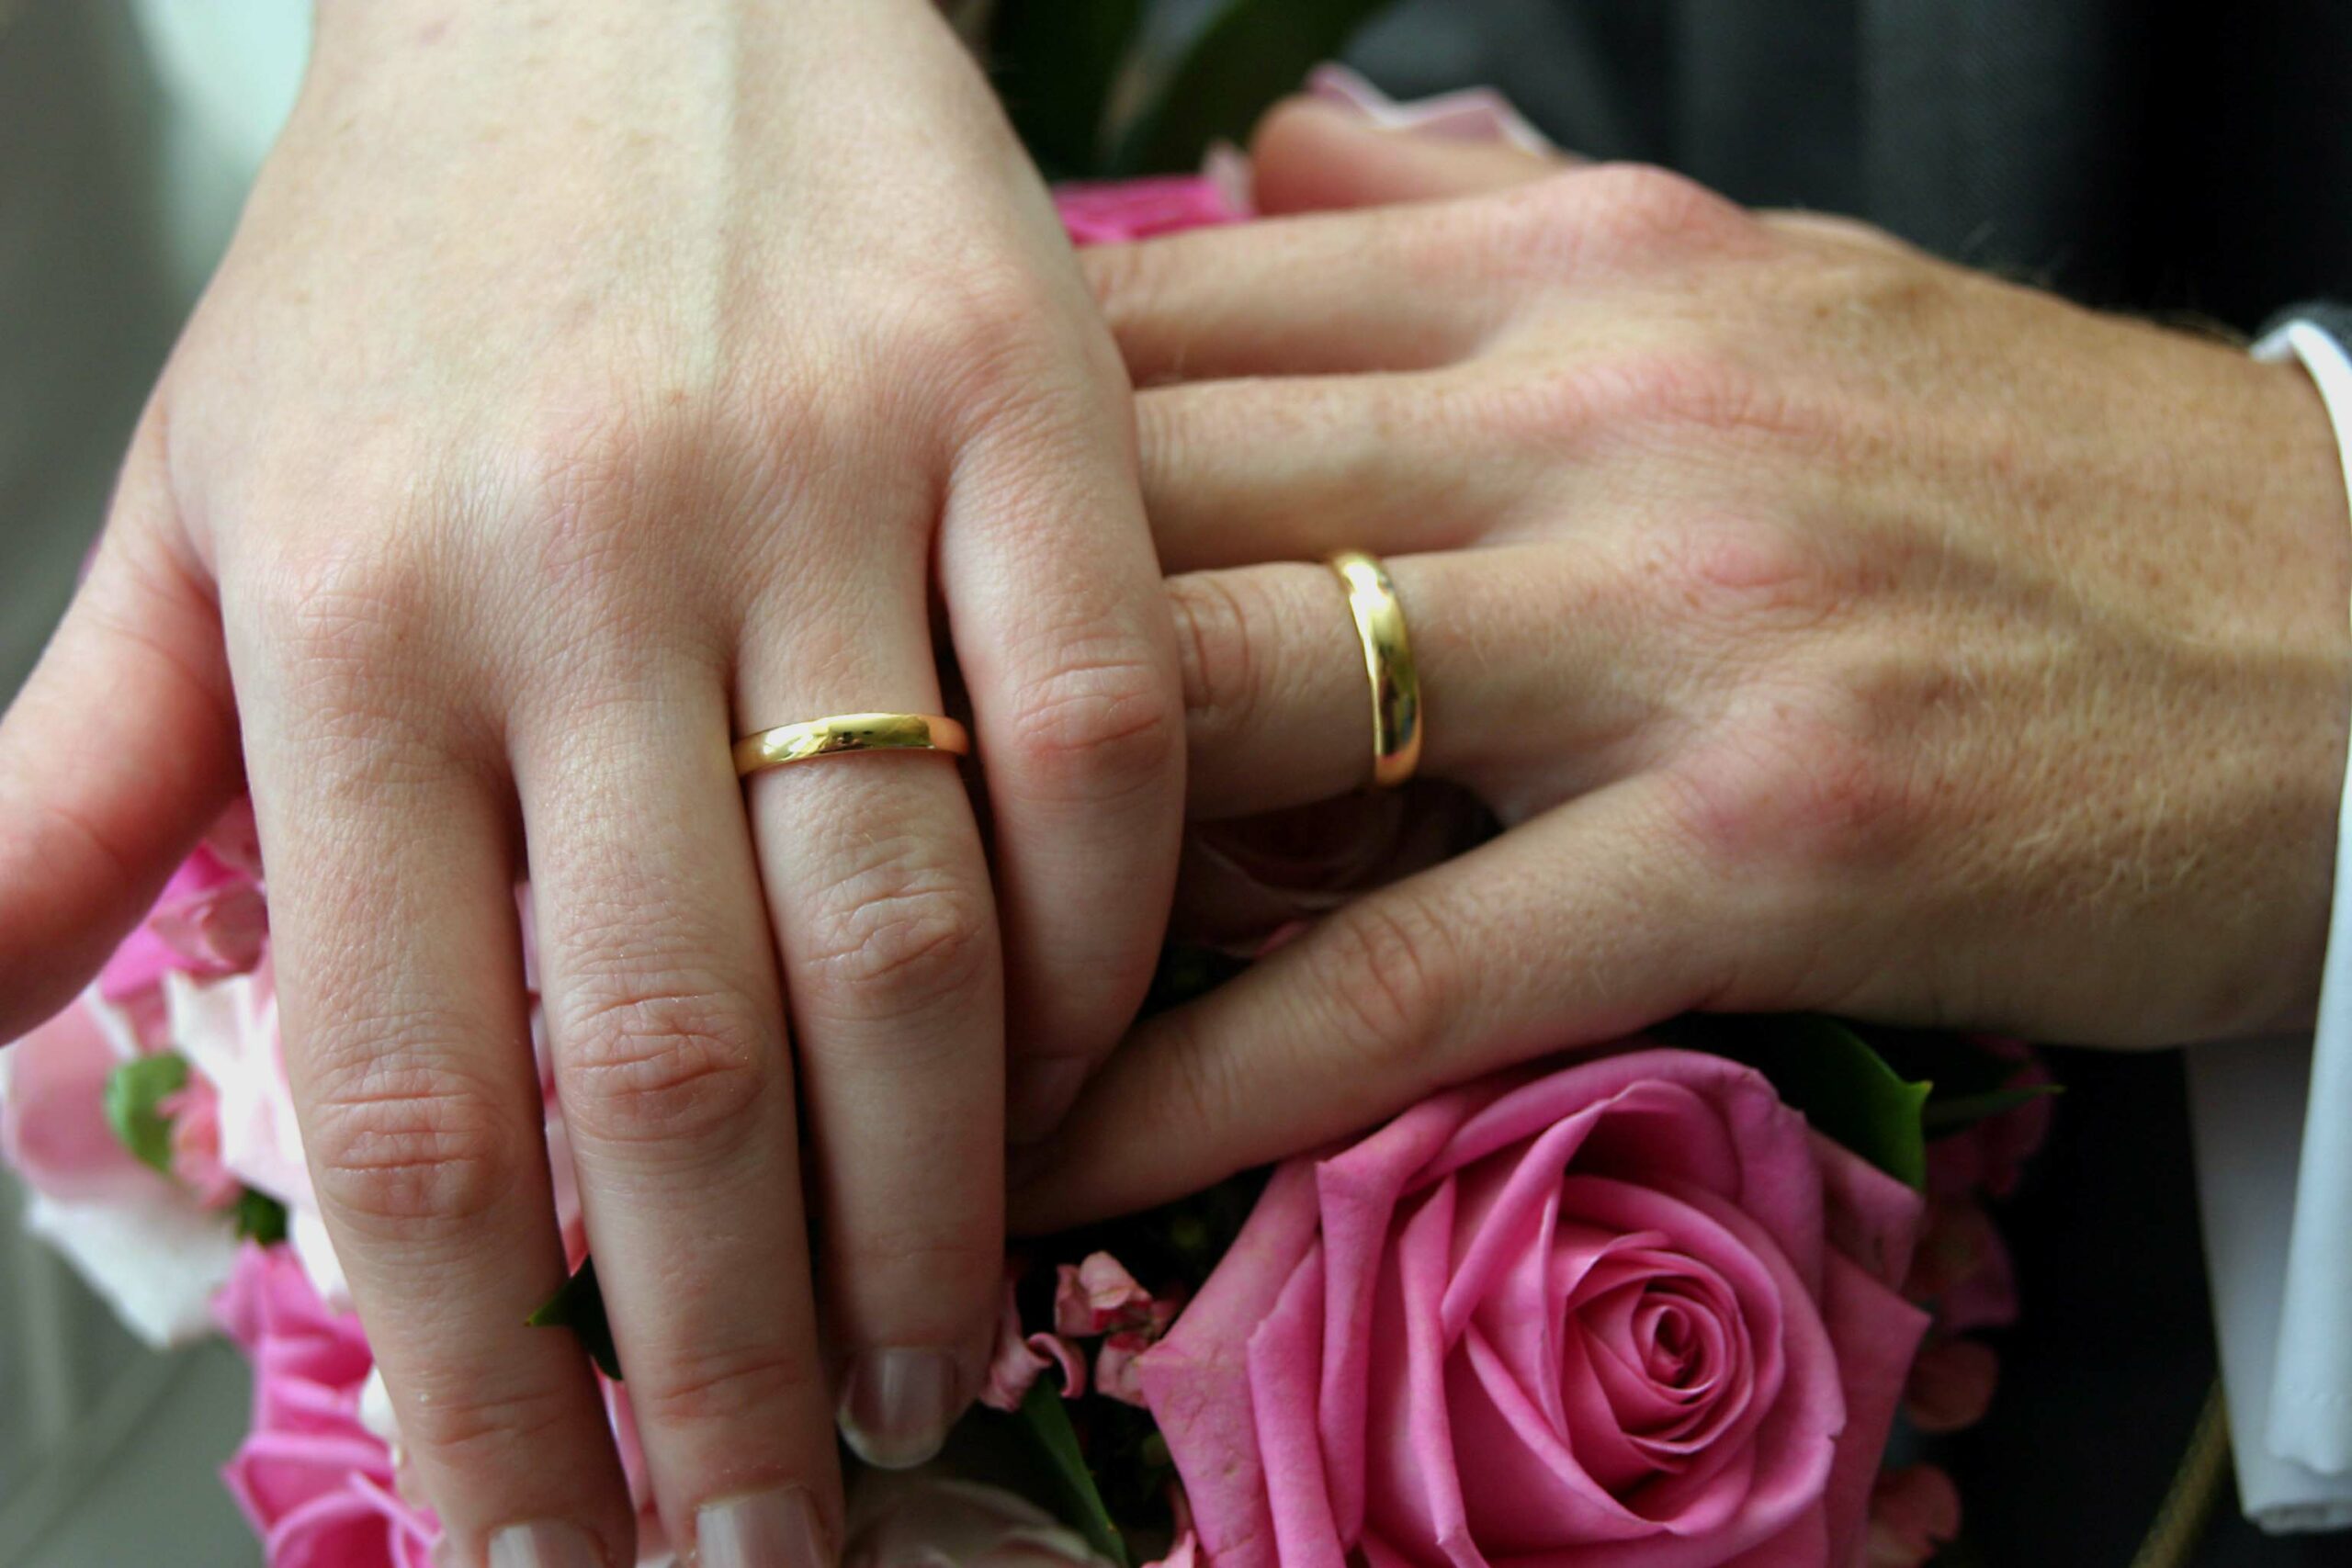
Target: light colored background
[(127, 132)]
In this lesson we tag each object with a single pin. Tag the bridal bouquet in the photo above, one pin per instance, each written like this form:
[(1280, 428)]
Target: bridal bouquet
[(1678, 1302)]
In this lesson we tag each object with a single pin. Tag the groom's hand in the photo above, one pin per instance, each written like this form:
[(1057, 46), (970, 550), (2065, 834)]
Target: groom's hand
[(1830, 626)]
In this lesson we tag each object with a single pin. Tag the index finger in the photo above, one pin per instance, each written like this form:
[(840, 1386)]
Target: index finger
[(1580, 927)]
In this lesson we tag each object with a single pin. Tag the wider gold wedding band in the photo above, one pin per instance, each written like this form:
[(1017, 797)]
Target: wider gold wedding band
[(849, 732), (1388, 660)]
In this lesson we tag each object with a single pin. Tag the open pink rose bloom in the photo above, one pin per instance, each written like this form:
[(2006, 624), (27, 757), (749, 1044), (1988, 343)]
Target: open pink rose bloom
[(1629, 1313)]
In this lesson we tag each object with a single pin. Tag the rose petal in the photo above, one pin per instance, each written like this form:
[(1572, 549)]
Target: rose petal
[(1285, 1353), (1198, 1380)]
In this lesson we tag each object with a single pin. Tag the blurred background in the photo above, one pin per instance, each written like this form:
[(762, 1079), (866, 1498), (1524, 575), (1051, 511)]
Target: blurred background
[(128, 134)]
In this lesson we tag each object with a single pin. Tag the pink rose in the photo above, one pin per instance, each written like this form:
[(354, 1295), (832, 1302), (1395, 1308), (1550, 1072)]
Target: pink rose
[(924, 1519), (1590, 1316), (315, 1482)]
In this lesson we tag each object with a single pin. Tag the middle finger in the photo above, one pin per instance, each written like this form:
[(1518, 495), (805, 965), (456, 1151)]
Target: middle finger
[(1527, 654), (666, 1025)]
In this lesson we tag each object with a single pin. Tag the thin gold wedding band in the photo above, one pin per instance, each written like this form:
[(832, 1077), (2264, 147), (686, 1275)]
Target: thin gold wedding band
[(847, 732), (1388, 660)]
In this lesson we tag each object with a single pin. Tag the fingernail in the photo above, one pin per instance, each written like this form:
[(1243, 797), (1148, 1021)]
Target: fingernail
[(548, 1544), (771, 1529), (1347, 91), (1037, 1094), (897, 1405)]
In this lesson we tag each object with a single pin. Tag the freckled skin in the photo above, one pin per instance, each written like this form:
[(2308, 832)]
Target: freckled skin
[(1830, 626)]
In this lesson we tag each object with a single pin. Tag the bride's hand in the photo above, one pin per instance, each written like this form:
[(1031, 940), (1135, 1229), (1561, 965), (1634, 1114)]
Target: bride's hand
[(1831, 627), (588, 384)]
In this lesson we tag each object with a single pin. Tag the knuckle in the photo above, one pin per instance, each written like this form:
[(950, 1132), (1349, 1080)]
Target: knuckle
[(1129, 282), (410, 1148), (1795, 781), (699, 1383), (1685, 389), (1101, 723), (355, 620), (665, 1066), (896, 934), (464, 1419), (947, 1272), (1217, 658), (1637, 209), (1388, 969), (985, 337), (1725, 578), (591, 476)]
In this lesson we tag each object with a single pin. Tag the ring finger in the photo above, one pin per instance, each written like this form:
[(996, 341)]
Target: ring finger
[(1526, 654), (879, 896)]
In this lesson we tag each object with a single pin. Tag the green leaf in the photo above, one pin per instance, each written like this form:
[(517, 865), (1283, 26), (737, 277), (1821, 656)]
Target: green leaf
[(1952, 1114), (580, 1306), (1047, 1423), (260, 1218), (134, 1093), (1054, 61), (1825, 1069), (1252, 53)]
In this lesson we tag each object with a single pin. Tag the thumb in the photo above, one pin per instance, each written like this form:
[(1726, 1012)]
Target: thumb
[(118, 751), (1316, 153)]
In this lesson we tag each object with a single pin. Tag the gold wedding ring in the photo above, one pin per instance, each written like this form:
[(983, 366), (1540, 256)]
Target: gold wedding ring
[(848, 732), (1388, 660)]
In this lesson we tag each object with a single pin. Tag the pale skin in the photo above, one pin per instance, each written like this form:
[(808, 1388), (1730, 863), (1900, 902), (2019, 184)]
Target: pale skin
[(1829, 627), (586, 385)]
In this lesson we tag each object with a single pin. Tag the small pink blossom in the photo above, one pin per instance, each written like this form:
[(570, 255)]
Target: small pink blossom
[(1962, 1271), (1097, 1296), (1115, 1374), (1114, 1367), (194, 1112), (1913, 1512), (1989, 1156), (1951, 1385), (1019, 1358)]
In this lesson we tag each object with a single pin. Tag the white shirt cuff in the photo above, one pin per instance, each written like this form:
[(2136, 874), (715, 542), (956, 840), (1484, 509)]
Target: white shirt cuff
[(2273, 1128)]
